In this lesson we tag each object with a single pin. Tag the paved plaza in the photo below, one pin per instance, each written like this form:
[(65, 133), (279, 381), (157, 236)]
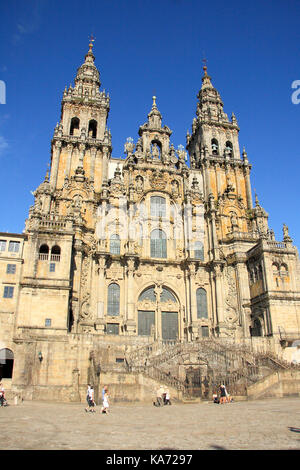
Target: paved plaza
[(270, 424)]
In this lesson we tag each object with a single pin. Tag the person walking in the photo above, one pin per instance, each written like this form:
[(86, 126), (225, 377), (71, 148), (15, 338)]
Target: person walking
[(90, 399), (105, 404)]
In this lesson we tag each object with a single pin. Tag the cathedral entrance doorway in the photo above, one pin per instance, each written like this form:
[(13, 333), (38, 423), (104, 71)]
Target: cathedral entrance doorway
[(157, 314)]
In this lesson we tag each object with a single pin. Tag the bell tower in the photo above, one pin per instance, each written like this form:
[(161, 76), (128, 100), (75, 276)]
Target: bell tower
[(81, 140), (214, 150)]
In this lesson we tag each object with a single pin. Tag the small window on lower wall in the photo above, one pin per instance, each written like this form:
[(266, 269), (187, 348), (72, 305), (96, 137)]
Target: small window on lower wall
[(52, 268), (112, 328), (48, 322), (204, 332)]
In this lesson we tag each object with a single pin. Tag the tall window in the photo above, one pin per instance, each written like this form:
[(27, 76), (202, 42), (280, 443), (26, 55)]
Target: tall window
[(229, 148), (158, 206), (199, 251), (14, 247), (113, 300), (114, 245), (201, 303), (74, 128), (158, 244), (214, 147), (8, 292), (92, 132), (2, 245)]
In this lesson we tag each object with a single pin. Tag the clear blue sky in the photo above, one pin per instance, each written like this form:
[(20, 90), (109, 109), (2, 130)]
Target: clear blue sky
[(253, 56)]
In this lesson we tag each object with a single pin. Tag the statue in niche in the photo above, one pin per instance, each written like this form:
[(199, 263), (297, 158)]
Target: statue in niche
[(155, 151), (234, 222), (139, 184), (175, 188), (77, 202)]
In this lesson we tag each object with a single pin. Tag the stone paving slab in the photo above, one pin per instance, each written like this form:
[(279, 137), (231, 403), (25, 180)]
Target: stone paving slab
[(270, 424)]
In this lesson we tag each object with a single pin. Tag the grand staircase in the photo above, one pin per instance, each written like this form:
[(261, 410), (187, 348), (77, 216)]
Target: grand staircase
[(235, 365)]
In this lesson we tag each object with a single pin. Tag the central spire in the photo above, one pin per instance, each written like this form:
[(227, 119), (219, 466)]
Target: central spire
[(154, 116)]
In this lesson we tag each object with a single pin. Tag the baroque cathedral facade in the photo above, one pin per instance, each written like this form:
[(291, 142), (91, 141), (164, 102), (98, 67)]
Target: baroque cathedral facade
[(164, 245)]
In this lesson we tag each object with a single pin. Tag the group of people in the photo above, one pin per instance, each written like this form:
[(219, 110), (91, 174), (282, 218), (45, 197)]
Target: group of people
[(90, 398), (223, 396), (162, 397)]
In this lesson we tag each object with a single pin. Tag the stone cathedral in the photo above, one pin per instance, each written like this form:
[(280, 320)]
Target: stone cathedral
[(163, 247)]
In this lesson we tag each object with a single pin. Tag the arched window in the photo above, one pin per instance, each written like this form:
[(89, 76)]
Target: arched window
[(92, 132), (201, 303), (74, 128), (55, 253), (158, 206), (229, 148), (114, 245), (148, 294), (44, 252), (6, 363), (275, 269), (214, 147), (167, 296), (283, 270), (199, 251), (113, 300), (158, 244)]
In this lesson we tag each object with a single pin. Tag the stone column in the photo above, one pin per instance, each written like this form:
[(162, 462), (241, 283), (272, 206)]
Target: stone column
[(217, 170), (105, 163), (69, 160), (244, 294), (55, 162), (81, 154), (248, 187), (100, 294), (214, 237), (93, 151), (130, 321), (77, 282), (193, 301), (207, 179), (219, 294), (237, 186)]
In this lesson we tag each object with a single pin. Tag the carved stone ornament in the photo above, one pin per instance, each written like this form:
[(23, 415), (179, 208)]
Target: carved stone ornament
[(231, 307), (158, 181)]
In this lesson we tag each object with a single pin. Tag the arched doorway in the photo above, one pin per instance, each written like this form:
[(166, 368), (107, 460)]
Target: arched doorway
[(6, 363), (158, 310)]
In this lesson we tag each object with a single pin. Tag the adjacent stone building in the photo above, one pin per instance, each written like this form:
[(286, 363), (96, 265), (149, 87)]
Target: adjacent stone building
[(165, 245)]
